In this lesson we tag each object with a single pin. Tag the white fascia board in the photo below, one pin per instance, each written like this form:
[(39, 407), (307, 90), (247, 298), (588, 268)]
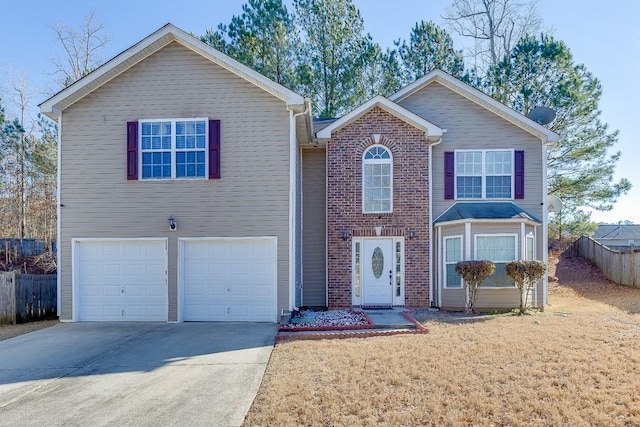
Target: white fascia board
[(480, 98), (171, 33), (430, 130)]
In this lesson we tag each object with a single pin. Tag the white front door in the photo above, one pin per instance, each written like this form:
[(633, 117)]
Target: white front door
[(377, 271)]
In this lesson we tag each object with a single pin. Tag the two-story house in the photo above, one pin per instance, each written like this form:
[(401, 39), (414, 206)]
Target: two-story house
[(192, 188), (437, 173)]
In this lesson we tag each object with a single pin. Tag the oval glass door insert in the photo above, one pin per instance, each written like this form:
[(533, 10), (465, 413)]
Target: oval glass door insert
[(377, 262)]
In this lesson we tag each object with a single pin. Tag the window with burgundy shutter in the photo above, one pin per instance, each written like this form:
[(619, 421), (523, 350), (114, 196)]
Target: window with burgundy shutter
[(519, 174), (449, 175), (484, 174), (214, 149), (132, 150), (173, 149)]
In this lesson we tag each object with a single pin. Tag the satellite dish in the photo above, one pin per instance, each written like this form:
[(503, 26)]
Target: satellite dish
[(554, 204), (542, 115)]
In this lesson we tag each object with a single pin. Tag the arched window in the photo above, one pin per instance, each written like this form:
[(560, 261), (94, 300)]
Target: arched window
[(377, 180)]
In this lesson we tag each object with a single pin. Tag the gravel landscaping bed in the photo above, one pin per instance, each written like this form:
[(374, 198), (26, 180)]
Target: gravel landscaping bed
[(308, 320)]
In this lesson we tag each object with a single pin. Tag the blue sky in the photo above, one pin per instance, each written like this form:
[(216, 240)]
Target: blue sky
[(605, 36)]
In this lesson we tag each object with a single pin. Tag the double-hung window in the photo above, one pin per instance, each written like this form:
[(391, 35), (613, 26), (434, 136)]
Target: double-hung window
[(484, 174), (173, 149), (452, 254), (377, 180), (499, 248)]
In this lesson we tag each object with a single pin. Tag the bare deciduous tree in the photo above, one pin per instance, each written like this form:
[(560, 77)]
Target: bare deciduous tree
[(495, 25), (28, 161), (81, 47), (21, 97)]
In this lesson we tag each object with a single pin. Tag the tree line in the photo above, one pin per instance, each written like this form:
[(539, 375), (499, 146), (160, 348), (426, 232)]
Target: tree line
[(320, 49)]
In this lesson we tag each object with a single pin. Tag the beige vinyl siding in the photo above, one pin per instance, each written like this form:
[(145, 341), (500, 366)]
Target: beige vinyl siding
[(251, 199), (314, 231), (470, 126)]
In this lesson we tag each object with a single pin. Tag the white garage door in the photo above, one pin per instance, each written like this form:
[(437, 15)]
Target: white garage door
[(229, 279), (123, 280)]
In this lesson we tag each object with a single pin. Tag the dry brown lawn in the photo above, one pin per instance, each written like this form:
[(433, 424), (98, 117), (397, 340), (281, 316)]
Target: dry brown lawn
[(10, 331), (576, 364)]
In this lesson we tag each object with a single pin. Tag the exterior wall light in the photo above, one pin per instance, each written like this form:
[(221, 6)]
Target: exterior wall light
[(412, 234), (345, 235), (173, 225)]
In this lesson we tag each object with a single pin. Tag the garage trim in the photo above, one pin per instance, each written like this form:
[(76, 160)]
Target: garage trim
[(75, 272), (181, 268)]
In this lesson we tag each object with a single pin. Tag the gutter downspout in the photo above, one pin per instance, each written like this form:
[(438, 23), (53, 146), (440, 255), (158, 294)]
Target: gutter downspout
[(431, 257), (58, 220), (293, 164), (545, 224)]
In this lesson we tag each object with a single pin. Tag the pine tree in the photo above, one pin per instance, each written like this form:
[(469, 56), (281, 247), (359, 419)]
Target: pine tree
[(429, 47), (541, 72), (263, 38), (334, 54)]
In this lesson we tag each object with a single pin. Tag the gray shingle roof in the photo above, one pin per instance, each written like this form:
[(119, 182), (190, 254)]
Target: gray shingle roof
[(484, 210), (616, 231)]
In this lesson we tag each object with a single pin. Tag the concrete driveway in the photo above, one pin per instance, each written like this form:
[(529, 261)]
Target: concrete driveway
[(138, 374)]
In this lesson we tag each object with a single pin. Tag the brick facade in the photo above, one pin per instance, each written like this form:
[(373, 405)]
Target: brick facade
[(410, 151)]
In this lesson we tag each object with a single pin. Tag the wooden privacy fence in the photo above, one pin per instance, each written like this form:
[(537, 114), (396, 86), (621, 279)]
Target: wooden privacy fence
[(27, 297), (23, 247), (621, 267)]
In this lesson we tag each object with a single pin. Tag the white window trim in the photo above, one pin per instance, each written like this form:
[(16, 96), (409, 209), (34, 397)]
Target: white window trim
[(173, 149), (484, 174), (475, 254), (378, 161), (445, 263)]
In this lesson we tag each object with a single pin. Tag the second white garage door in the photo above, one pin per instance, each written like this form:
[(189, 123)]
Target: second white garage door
[(229, 279)]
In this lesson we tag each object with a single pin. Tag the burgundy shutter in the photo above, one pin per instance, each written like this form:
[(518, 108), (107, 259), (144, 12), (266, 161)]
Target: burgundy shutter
[(214, 149), (449, 175), (132, 150), (519, 174)]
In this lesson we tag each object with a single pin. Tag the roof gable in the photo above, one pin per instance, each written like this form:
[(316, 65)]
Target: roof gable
[(146, 47), (480, 98), (432, 132)]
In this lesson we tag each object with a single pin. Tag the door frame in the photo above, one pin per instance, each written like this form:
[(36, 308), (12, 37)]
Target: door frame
[(357, 294)]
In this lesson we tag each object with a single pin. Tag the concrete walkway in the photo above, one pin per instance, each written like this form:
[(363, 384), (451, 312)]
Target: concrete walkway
[(133, 374), (384, 319)]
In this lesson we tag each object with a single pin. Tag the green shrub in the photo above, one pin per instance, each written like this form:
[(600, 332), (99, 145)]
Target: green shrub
[(525, 273), (474, 273)]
